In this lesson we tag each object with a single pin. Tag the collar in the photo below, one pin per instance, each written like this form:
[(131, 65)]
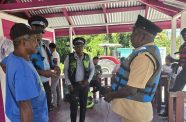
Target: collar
[(41, 43), (143, 47), (76, 56)]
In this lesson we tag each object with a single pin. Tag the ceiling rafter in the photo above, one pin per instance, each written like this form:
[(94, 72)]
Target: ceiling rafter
[(184, 1), (159, 6), (25, 11), (112, 28), (88, 12), (146, 11), (2, 1), (47, 4), (105, 17), (68, 19)]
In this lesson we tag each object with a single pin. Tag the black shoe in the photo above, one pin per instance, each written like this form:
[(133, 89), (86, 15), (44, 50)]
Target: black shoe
[(94, 91), (164, 114), (52, 108)]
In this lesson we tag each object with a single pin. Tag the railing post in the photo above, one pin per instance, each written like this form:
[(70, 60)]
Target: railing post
[(178, 116), (170, 109), (106, 81), (179, 109)]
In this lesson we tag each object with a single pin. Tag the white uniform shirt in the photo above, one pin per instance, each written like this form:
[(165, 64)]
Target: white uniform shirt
[(79, 71), (46, 64), (55, 54)]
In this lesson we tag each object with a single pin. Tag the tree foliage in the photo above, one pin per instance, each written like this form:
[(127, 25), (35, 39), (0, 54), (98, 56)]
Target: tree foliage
[(63, 47), (92, 45), (162, 40)]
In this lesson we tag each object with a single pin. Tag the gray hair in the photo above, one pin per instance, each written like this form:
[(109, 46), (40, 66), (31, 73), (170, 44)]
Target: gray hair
[(16, 41)]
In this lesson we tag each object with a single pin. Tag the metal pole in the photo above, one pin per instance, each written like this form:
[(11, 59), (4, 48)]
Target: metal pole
[(173, 37), (70, 34)]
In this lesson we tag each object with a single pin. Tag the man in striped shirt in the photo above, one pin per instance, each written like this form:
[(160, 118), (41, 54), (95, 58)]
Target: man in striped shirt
[(181, 78)]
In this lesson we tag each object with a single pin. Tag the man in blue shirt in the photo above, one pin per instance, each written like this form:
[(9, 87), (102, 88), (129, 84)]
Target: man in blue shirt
[(25, 95)]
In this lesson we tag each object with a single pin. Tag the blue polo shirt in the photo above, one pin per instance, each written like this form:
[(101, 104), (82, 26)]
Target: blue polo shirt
[(23, 83)]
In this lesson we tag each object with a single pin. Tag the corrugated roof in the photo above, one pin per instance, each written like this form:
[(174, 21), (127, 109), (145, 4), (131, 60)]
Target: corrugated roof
[(124, 17), (121, 4), (88, 19), (45, 11), (115, 17), (155, 15), (84, 7), (57, 21)]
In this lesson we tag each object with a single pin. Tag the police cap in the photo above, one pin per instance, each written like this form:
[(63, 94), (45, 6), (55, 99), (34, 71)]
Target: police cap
[(79, 41), (184, 30), (147, 25), (38, 21)]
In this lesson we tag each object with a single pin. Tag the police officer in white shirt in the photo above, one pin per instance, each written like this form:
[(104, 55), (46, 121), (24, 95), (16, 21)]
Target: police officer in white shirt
[(78, 70)]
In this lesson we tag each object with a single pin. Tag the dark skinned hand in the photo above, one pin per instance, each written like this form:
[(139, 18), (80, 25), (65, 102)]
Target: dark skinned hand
[(70, 88), (50, 73), (108, 97), (84, 83)]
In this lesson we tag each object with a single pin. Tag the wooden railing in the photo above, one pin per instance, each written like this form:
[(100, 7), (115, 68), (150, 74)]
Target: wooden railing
[(175, 101), (106, 78), (176, 106)]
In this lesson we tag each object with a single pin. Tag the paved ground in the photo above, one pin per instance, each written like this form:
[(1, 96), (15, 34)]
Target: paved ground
[(100, 113)]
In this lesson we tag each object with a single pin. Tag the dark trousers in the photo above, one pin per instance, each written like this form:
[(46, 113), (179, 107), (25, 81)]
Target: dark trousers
[(58, 89), (48, 93), (80, 95), (96, 84), (180, 81)]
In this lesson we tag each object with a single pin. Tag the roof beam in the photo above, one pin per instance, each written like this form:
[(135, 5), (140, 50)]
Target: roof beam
[(68, 19), (146, 11), (25, 11), (159, 6), (53, 15), (47, 4), (2, 1), (113, 10), (112, 29), (184, 1), (105, 17)]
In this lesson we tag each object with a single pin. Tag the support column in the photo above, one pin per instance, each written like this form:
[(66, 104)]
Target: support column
[(1, 27), (173, 37), (70, 34), (183, 23)]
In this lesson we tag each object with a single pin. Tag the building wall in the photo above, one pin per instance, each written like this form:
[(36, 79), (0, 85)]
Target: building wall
[(6, 22)]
